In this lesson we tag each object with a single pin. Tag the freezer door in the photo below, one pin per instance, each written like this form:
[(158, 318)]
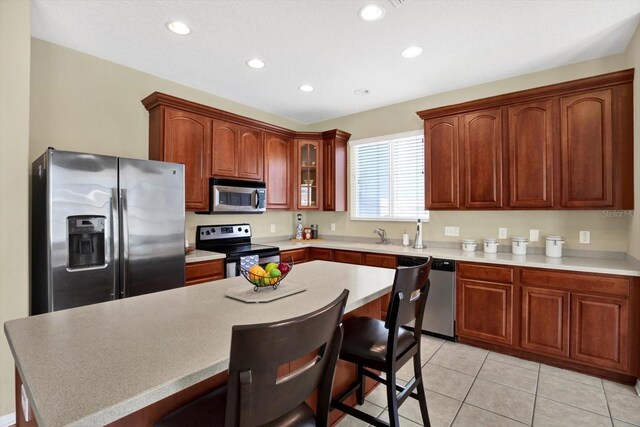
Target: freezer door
[(81, 200), (152, 226)]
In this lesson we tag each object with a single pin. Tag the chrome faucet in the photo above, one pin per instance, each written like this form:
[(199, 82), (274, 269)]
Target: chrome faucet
[(382, 234)]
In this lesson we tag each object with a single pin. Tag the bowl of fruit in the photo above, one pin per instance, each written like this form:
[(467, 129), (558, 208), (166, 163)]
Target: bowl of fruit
[(271, 275)]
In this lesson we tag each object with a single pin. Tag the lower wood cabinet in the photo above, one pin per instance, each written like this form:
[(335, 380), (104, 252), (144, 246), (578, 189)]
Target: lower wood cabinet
[(204, 271), (485, 311), (297, 255), (320, 254), (348, 257), (545, 321)]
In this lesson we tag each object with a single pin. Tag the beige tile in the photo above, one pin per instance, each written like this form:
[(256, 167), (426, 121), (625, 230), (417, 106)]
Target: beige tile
[(624, 407), (446, 381), (470, 416), (572, 393), (554, 414), (515, 361), (509, 375), (367, 407), (404, 422), (619, 387), (428, 347), (459, 357), (618, 423), (442, 409), (378, 396), (502, 400), (571, 375), (406, 372)]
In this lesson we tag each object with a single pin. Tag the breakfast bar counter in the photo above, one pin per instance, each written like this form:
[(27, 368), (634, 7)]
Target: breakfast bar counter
[(93, 365)]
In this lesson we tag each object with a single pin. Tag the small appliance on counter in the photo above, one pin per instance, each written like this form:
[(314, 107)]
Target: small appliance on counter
[(104, 228), (554, 246), (234, 240), (490, 245), (519, 245), (469, 245)]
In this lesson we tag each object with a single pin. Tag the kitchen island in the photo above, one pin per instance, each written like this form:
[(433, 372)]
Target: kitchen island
[(95, 365)]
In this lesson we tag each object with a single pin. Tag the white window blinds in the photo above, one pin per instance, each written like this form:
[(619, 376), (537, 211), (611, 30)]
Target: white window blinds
[(388, 179)]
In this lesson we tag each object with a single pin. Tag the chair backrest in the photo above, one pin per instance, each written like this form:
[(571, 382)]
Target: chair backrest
[(409, 296), (256, 395)]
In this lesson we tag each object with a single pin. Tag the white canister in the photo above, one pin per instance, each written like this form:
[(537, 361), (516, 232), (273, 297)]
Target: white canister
[(554, 246), (519, 245), (491, 245), (469, 245)]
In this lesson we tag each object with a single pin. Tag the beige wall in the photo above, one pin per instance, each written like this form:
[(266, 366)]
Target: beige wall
[(15, 31), (633, 57), (606, 233)]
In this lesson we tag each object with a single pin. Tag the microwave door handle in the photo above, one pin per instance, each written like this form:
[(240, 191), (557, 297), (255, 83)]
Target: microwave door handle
[(257, 193)]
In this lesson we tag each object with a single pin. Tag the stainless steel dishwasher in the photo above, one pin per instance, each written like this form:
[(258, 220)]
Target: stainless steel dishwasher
[(440, 311)]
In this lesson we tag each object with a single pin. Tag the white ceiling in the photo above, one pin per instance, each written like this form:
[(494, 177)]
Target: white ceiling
[(323, 43)]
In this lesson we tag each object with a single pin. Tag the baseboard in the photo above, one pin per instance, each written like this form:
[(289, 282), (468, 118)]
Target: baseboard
[(8, 420)]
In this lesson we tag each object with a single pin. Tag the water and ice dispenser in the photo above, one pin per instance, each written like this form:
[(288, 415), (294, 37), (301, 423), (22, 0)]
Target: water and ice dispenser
[(86, 241)]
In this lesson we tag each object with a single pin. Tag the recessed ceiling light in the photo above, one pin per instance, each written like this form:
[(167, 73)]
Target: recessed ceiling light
[(255, 63), (178, 27), (306, 88), (361, 91), (412, 52), (371, 13)]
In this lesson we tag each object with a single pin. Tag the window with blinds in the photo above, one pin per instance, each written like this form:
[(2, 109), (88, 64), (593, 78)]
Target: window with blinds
[(388, 179)]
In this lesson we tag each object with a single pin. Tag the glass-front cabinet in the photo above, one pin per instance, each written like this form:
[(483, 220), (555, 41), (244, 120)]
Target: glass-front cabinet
[(308, 174)]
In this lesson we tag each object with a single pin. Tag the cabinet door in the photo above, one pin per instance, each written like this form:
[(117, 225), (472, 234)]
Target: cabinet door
[(308, 163), (531, 155), (298, 256), (277, 171), (334, 175), (482, 153), (484, 311), (205, 271), (320, 254), (545, 321), (385, 261), (586, 149), (187, 139), (348, 257), (223, 153), (249, 154), (599, 330), (441, 163)]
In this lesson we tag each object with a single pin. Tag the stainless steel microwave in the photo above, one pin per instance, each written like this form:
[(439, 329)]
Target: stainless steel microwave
[(237, 196)]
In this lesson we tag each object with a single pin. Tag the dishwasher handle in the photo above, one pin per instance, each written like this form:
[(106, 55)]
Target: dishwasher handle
[(443, 265)]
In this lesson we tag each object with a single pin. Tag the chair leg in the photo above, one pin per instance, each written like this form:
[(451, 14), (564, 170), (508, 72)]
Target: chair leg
[(422, 396), (392, 400), (360, 391)]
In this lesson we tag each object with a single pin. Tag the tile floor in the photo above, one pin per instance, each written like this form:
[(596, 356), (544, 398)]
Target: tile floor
[(468, 386)]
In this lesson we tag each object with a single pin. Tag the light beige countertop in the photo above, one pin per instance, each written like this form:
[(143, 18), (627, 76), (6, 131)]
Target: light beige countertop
[(200, 255), (95, 364), (626, 267)]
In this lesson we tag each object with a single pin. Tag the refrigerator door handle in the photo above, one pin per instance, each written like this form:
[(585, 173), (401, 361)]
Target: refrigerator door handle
[(115, 249), (124, 265)]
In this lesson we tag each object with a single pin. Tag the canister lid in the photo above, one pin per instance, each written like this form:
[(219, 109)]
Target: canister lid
[(469, 241), (555, 238), (491, 240), (519, 239)]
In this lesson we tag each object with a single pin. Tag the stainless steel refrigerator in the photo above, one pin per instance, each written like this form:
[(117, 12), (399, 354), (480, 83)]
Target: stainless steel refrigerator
[(104, 228)]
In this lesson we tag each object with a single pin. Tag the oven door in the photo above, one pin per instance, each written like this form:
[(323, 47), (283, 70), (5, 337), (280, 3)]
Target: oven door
[(232, 266), (237, 199)]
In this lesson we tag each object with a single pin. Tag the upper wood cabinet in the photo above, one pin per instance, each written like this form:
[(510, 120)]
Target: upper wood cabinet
[(482, 154), (531, 133), (236, 151), (185, 139), (212, 142), (441, 138), (564, 146), (587, 151), (277, 171)]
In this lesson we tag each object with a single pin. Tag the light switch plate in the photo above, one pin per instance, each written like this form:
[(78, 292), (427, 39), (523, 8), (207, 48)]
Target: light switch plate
[(333, 227), (534, 235), (585, 237), (502, 233), (451, 231)]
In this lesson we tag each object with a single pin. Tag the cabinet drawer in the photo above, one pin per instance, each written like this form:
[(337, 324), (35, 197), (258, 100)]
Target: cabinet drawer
[(299, 255), (485, 272), (205, 271), (576, 282), (321, 254), (347, 257), (386, 261)]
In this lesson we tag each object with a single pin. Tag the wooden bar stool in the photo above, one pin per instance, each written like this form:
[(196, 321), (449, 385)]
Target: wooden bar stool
[(387, 346), (254, 394)]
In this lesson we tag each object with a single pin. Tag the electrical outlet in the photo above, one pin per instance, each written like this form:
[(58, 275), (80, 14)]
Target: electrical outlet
[(585, 237), (534, 235), (273, 228), (502, 233), (333, 227), (451, 231)]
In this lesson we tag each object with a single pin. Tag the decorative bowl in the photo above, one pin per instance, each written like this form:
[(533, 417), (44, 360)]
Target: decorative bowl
[(262, 280)]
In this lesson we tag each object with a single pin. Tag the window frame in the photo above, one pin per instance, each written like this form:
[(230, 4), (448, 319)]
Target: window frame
[(353, 184)]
